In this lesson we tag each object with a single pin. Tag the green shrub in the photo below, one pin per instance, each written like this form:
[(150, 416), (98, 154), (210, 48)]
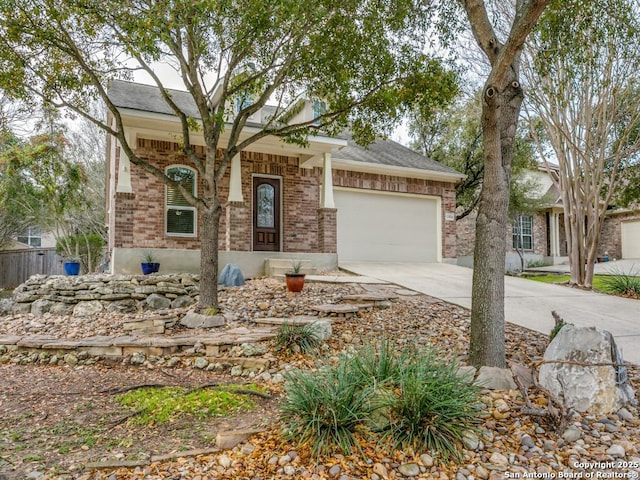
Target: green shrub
[(409, 396), (622, 283), (325, 409), (85, 247), (297, 338)]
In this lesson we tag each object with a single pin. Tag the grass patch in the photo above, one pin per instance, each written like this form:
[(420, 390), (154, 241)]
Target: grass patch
[(158, 405), (5, 293), (599, 281)]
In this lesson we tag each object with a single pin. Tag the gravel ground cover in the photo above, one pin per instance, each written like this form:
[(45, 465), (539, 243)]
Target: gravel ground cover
[(58, 419)]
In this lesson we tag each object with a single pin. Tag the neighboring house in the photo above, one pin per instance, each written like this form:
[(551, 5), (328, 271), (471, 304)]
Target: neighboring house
[(331, 200), (32, 237), (540, 235)]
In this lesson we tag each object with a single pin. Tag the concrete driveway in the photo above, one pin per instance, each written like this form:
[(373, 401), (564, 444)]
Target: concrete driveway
[(527, 303)]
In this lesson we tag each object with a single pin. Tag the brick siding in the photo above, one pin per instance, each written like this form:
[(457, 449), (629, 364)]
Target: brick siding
[(306, 228), (466, 236), (611, 234)]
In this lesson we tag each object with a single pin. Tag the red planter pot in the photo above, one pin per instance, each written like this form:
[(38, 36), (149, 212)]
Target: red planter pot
[(295, 281)]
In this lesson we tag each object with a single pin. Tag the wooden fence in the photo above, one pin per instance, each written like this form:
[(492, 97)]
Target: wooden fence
[(18, 265)]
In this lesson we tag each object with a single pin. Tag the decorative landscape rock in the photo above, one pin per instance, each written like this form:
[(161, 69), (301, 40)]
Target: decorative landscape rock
[(62, 295), (322, 330), (6, 306), (85, 309), (494, 378), (198, 320), (231, 276), (157, 302), (599, 389)]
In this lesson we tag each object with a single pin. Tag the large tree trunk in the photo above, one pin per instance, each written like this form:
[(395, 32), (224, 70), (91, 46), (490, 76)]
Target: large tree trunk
[(502, 99), (210, 228), (500, 110)]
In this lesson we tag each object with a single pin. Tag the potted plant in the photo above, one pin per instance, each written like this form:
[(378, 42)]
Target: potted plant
[(149, 264), (72, 266), (294, 278)]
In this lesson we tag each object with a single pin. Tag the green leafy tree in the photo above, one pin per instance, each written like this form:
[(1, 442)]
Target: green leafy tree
[(365, 60), (13, 220), (453, 137), (584, 70), (43, 187)]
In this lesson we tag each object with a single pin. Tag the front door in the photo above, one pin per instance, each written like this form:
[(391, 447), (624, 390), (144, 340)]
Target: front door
[(266, 214)]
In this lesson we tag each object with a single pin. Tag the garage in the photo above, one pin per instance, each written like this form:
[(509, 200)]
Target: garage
[(382, 226), (631, 239)]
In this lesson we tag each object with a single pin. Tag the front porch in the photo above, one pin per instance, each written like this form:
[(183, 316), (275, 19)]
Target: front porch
[(251, 264)]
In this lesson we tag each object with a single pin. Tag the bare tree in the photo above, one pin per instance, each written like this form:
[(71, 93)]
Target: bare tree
[(583, 68)]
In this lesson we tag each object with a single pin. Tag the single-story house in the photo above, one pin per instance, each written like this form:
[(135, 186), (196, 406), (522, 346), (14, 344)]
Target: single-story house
[(332, 200), (540, 235)]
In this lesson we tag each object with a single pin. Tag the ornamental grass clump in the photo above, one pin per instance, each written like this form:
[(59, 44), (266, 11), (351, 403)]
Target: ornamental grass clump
[(325, 409), (407, 398), (293, 338), (432, 408), (622, 283)]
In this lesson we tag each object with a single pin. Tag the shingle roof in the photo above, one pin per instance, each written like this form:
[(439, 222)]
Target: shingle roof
[(388, 152), (147, 98)]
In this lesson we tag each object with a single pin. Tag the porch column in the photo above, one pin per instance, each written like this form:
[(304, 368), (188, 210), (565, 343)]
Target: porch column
[(235, 180), (554, 234), (327, 183), (124, 168)]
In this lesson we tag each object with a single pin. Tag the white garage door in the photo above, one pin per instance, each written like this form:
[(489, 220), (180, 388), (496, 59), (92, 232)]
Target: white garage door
[(631, 239), (387, 227)]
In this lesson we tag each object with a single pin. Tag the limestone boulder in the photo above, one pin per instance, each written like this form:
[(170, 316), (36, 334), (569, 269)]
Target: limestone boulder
[(87, 309), (493, 378), (157, 302), (598, 389), (6, 306), (197, 320), (40, 307), (322, 330), (182, 301)]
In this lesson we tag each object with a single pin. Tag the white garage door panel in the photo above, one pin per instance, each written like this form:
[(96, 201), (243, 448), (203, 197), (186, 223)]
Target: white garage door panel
[(386, 227), (631, 239)]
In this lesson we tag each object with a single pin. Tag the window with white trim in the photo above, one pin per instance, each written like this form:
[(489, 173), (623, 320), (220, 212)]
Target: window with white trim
[(180, 216), (523, 232), (31, 237), (319, 109)]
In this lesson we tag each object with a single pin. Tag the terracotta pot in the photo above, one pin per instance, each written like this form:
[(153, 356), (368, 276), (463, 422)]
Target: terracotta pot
[(295, 281)]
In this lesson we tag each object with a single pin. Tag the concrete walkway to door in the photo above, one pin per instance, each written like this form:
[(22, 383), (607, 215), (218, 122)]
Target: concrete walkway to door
[(527, 303)]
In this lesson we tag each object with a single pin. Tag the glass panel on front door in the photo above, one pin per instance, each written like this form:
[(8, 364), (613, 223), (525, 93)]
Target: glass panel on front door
[(266, 206)]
